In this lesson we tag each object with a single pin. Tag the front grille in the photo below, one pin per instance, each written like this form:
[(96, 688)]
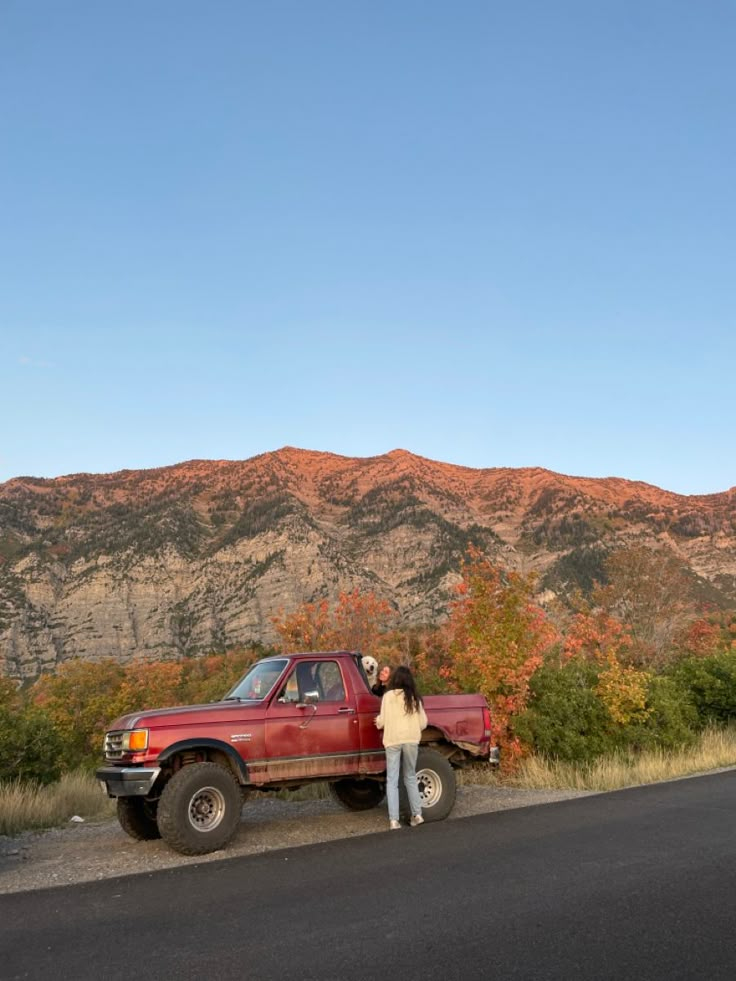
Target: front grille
[(114, 744)]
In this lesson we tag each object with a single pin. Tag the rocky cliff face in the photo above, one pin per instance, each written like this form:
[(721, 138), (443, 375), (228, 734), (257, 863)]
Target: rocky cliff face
[(198, 557)]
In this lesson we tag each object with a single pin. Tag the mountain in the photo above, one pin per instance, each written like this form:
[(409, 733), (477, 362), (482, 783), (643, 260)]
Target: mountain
[(197, 557)]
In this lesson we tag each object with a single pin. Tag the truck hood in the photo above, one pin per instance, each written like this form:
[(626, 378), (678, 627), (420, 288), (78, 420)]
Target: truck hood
[(187, 714)]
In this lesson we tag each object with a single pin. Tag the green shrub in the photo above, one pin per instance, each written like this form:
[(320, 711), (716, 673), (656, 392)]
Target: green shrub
[(710, 683), (671, 721), (565, 719), (30, 746)]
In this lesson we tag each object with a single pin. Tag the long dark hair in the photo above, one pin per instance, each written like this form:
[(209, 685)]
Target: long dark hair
[(403, 679)]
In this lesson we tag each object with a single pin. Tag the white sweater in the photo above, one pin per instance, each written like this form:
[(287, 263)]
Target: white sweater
[(399, 726)]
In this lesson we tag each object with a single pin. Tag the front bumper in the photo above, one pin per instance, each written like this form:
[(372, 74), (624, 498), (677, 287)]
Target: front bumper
[(128, 781)]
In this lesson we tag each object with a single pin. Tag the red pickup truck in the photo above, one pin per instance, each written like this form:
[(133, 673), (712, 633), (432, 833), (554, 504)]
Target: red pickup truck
[(182, 773)]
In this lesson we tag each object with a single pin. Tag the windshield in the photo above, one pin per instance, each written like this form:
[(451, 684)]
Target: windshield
[(258, 683)]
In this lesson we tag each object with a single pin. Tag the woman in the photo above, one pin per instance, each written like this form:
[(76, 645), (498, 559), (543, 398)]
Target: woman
[(381, 686), (402, 718)]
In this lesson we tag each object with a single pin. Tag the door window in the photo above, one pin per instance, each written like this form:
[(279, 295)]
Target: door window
[(324, 677), (329, 682)]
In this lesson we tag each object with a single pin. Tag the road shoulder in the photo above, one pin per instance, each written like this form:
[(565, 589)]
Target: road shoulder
[(93, 852)]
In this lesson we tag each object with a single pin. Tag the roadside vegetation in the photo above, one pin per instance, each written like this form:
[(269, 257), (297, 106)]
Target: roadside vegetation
[(633, 682), (29, 806), (712, 750)]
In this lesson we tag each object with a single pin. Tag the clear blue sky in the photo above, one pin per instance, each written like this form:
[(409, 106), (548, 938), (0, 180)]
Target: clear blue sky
[(495, 234)]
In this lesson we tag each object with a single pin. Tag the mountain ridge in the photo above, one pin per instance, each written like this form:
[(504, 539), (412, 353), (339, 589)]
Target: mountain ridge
[(199, 555), (395, 454)]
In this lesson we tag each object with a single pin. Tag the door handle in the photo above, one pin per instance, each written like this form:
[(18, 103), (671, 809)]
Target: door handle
[(346, 710)]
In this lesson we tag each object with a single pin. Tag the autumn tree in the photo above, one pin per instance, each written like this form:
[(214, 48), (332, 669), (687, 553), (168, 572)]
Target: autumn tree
[(81, 699), (600, 638), (649, 592), (150, 684), (497, 639), (430, 657), (209, 678), (356, 622), (709, 635), (595, 635)]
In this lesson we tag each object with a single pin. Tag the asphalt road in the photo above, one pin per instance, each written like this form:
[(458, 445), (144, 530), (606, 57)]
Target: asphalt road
[(638, 884)]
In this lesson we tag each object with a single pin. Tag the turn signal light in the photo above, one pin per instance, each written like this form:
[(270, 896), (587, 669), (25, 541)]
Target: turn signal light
[(137, 740)]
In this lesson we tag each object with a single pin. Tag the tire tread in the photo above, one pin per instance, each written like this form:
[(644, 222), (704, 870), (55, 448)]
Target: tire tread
[(134, 821), (172, 822)]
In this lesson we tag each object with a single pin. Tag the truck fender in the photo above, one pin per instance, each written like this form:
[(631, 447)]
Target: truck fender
[(188, 745)]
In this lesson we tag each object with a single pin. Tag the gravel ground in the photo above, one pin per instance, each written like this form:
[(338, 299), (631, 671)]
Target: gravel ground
[(89, 852)]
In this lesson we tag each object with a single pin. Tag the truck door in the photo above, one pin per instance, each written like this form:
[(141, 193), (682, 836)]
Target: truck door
[(312, 740), (372, 753)]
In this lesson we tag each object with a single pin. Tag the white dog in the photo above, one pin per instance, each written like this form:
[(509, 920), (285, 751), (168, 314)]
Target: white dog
[(370, 666)]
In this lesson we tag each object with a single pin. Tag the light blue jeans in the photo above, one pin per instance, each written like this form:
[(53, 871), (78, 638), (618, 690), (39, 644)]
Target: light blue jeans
[(394, 755)]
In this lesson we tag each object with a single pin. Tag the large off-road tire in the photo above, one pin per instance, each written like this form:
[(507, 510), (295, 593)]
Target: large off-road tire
[(437, 786), (199, 810), (137, 817), (358, 795)]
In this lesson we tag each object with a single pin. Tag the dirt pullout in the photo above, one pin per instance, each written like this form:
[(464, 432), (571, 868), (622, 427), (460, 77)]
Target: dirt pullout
[(90, 852)]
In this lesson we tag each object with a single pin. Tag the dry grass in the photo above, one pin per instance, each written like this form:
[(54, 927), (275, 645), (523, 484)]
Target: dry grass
[(714, 749), (26, 807)]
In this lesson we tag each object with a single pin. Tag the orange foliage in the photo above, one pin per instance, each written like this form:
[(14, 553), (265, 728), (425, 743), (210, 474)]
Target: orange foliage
[(83, 698), (497, 639), (149, 684), (703, 638), (710, 635), (356, 623), (208, 679), (596, 636), (648, 590), (431, 661)]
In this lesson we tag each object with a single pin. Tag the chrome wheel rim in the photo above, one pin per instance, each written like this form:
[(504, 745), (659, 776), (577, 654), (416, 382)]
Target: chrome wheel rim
[(206, 809), (430, 787)]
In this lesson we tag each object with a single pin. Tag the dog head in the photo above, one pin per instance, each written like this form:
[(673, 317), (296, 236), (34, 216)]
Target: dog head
[(370, 666)]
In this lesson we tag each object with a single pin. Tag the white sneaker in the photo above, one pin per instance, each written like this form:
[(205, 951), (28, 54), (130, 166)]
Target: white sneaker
[(416, 821), (394, 826)]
